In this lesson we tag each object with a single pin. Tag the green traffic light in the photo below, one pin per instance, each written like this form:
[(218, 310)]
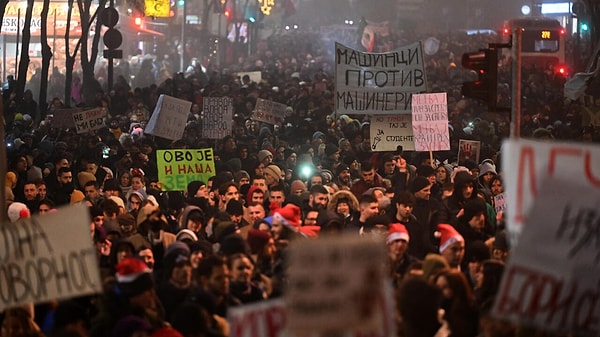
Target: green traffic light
[(584, 27), (180, 3)]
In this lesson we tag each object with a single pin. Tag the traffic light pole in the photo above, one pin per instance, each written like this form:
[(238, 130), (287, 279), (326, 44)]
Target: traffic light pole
[(515, 116)]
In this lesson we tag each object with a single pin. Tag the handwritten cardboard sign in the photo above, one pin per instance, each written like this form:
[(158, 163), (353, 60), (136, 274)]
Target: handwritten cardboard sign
[(430, 122), (255, 76), (216, 117), (389, 131), (177, 168), (332, 282), (48, 257), (500, 202), (378, 83), (530, 162), (468, 150), (268, 111), (63, 118), (551, 280), (169, 118), (89, 120)]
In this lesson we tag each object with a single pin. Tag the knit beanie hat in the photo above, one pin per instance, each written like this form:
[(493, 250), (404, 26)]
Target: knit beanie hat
[(274, 171), (186, 235), (486, 167), (133, 277), (177, 252), (331, 149), (241, 174), (418, 184), (263, 154), (18, 210), (193, 187), (76, 196), (449, 236), (126, 220), (397, 231), (433, 263), (233, 244), (297, 185), (234, 207), (84, 177)]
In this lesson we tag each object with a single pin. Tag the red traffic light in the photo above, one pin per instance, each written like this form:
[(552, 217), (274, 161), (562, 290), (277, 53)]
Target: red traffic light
[(485, 63), (137, 21)]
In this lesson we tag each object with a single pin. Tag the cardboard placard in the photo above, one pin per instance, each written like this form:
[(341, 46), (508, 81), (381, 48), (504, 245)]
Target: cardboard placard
[(387, 132), (169, 118), (269, 112), (217, 117), (430, 122), (89, 120), (177, 168), (468, 150)]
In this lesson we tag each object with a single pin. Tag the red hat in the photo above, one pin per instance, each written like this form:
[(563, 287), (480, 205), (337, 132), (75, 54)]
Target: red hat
[(311, 232), (449, 236), (257, 240), (133, 277), (289, 215), (397, 231), (166, 332)]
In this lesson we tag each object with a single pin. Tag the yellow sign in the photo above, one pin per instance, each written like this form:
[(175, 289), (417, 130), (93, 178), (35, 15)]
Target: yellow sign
[(266, 6), (546, 34), (177, 168), (158, 8)]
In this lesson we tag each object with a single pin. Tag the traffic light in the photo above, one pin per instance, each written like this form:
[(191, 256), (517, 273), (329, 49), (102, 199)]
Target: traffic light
[(137, 21), (485, 64)]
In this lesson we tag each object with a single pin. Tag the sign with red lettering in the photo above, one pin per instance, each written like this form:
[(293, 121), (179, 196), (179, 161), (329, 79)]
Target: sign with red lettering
[(389, 131), (269, 112), (48, 257), (89, 120), (332, 284), (177, 168), (169, 118), (552, 277), (528, 163), (430, 122)]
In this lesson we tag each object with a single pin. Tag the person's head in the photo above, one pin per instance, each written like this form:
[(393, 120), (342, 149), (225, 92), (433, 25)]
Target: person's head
[(464, 184), (343, 207), (405, 203), (137, 182), (177, 266), (427, 172), (418, 305), (145, 253), (276, 195), (272, 175), (195, 220), (241, 268), (135, 201), (474, 214), (256, 211), (127, 224), (125, 179), (315, 179), (343, 174), (213, 275), (256, 195), (310, 219), (454, 287), (452, 245), (65, 176), (397, 241), (229, 191), (441, 174), (389, 164), (235, 210), (421, 188), (42, 189), (496, 186), (111, 188), (318, 197), (476, 253), (91, 190), (260, 181), (45, 206), (368, 206), (30, 190), (367, 173)]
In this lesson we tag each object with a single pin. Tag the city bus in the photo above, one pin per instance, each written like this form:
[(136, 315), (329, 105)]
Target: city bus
[(543, 42)]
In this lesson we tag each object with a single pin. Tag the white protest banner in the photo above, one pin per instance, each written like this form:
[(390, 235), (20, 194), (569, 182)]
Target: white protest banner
[(332, 282), (468, 150), (48, 257), (378, 83), (527, 163), (89, 120), (255, 76), (269, 112), (169, 118), (63, 118), (217, 117), (500, 202), (389, 131), (430, 122), (551, 279)]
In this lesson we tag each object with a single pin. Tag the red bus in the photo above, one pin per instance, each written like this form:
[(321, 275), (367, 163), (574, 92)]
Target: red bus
[(543, 42)]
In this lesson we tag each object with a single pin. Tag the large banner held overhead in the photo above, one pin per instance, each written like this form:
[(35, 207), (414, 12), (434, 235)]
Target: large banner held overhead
[(169, 118), (430, 122), (368, 83), (217, 115), (269, 112), (551, 279), (49, 257), (177, 168), (89, 120), (387, 132), (531, 162)]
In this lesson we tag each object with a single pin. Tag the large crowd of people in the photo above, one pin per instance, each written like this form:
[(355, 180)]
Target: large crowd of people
[(174, 262)]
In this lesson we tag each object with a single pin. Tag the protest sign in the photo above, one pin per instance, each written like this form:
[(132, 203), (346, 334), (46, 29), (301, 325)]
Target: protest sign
[(255, 76), (332, 284), (216, 117), (430, 122), (63, 118), (177, 168), (48, 257), (269, 112), (500, 202), (551, 279), (378, 83), (468, 150), (530, 162), (169, 118), (89, 120), (387, 132)]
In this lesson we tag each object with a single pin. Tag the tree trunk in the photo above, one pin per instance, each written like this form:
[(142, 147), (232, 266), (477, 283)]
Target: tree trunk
[(88, 59), (46, 57), (69, 59), (24, 61)]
